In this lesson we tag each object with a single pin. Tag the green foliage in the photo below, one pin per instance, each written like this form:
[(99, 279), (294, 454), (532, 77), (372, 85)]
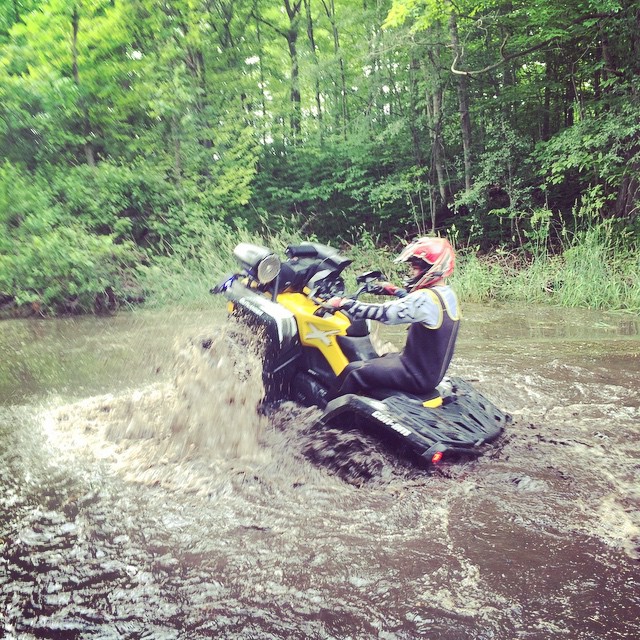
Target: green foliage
[(186, 277), (595, 269), (423, 13), (127, 202), (335, 190), (477, 280), (62, 75), (598, 151), (64, 269), (502, 188), (139, 138), (50, 260)]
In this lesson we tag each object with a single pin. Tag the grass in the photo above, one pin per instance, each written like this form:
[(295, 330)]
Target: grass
[(590, 271), (186, 277)]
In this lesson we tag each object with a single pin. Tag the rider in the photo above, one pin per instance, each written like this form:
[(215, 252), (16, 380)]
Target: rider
[(428, 305)]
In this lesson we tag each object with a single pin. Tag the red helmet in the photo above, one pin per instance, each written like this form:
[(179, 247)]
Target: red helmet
[(438, 258)]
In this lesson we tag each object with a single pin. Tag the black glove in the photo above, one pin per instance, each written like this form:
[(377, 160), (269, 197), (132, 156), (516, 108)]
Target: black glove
[(387, 289)]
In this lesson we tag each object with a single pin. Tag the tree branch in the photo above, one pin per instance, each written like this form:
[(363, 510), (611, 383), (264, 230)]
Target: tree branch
[(518, 54), (269, 23), (504, 58)]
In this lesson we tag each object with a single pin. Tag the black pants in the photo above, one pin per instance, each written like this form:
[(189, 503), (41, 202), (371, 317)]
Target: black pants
[(387, 372)]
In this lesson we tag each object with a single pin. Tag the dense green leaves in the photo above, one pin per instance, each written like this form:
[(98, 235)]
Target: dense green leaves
[(132, 130), (51, 260)]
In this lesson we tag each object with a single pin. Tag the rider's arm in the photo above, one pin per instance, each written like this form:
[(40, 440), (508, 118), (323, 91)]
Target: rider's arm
[(387, 289), (419, 306)]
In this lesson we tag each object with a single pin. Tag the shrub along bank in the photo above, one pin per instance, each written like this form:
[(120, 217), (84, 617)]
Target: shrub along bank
[(590, 271), (113, 238)]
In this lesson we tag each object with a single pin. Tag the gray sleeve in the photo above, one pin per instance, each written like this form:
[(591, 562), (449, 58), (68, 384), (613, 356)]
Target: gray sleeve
[(420, 306)]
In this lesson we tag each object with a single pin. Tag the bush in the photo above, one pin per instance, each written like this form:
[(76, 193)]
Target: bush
[(186, 276), (128, 203), (49, 261)]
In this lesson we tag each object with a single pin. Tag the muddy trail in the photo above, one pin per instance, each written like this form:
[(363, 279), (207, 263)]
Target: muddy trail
[(152, 501)]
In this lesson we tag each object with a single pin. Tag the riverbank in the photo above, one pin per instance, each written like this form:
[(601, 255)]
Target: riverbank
[(591, 271)]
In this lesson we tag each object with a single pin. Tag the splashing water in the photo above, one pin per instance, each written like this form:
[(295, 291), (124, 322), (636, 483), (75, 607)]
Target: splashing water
[(245, 523), (205, 417), (208, 423), (218, 393)]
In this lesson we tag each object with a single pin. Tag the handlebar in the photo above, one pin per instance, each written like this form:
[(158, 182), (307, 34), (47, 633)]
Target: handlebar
[(324, 308)]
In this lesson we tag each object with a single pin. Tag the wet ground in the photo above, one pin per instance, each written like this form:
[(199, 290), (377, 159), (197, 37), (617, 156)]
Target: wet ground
[(141, 496)]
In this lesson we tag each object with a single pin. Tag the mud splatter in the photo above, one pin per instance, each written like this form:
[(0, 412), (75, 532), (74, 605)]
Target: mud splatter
[(175, 510)]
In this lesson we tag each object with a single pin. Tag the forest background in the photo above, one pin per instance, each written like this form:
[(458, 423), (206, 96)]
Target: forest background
[(139, 140)]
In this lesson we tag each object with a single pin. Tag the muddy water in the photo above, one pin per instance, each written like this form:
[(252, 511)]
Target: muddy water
[(143, 497)]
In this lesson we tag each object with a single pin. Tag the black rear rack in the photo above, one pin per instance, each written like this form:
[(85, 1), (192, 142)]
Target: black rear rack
[(460, 426)]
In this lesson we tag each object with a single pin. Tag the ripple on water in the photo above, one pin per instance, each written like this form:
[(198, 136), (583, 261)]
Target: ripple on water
[(181, 499)]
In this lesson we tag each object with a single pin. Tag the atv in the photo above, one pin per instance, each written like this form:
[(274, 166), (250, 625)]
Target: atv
[(307, 344)]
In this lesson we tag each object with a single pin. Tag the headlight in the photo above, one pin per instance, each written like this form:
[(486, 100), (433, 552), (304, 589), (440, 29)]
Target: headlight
[(268, 269), (260, 262)]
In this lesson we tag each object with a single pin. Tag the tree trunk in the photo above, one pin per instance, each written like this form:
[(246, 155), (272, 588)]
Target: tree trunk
[(628, 200), (635, 47), (292, 38), (549, 74), (434, 102), (414, 66), (463, 102), (330, 10), (434, 94), (263, 100), (569, 103), (550, 82), (177, 149), (86, 124), (508, 77), (314, 56), (293, 12)]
